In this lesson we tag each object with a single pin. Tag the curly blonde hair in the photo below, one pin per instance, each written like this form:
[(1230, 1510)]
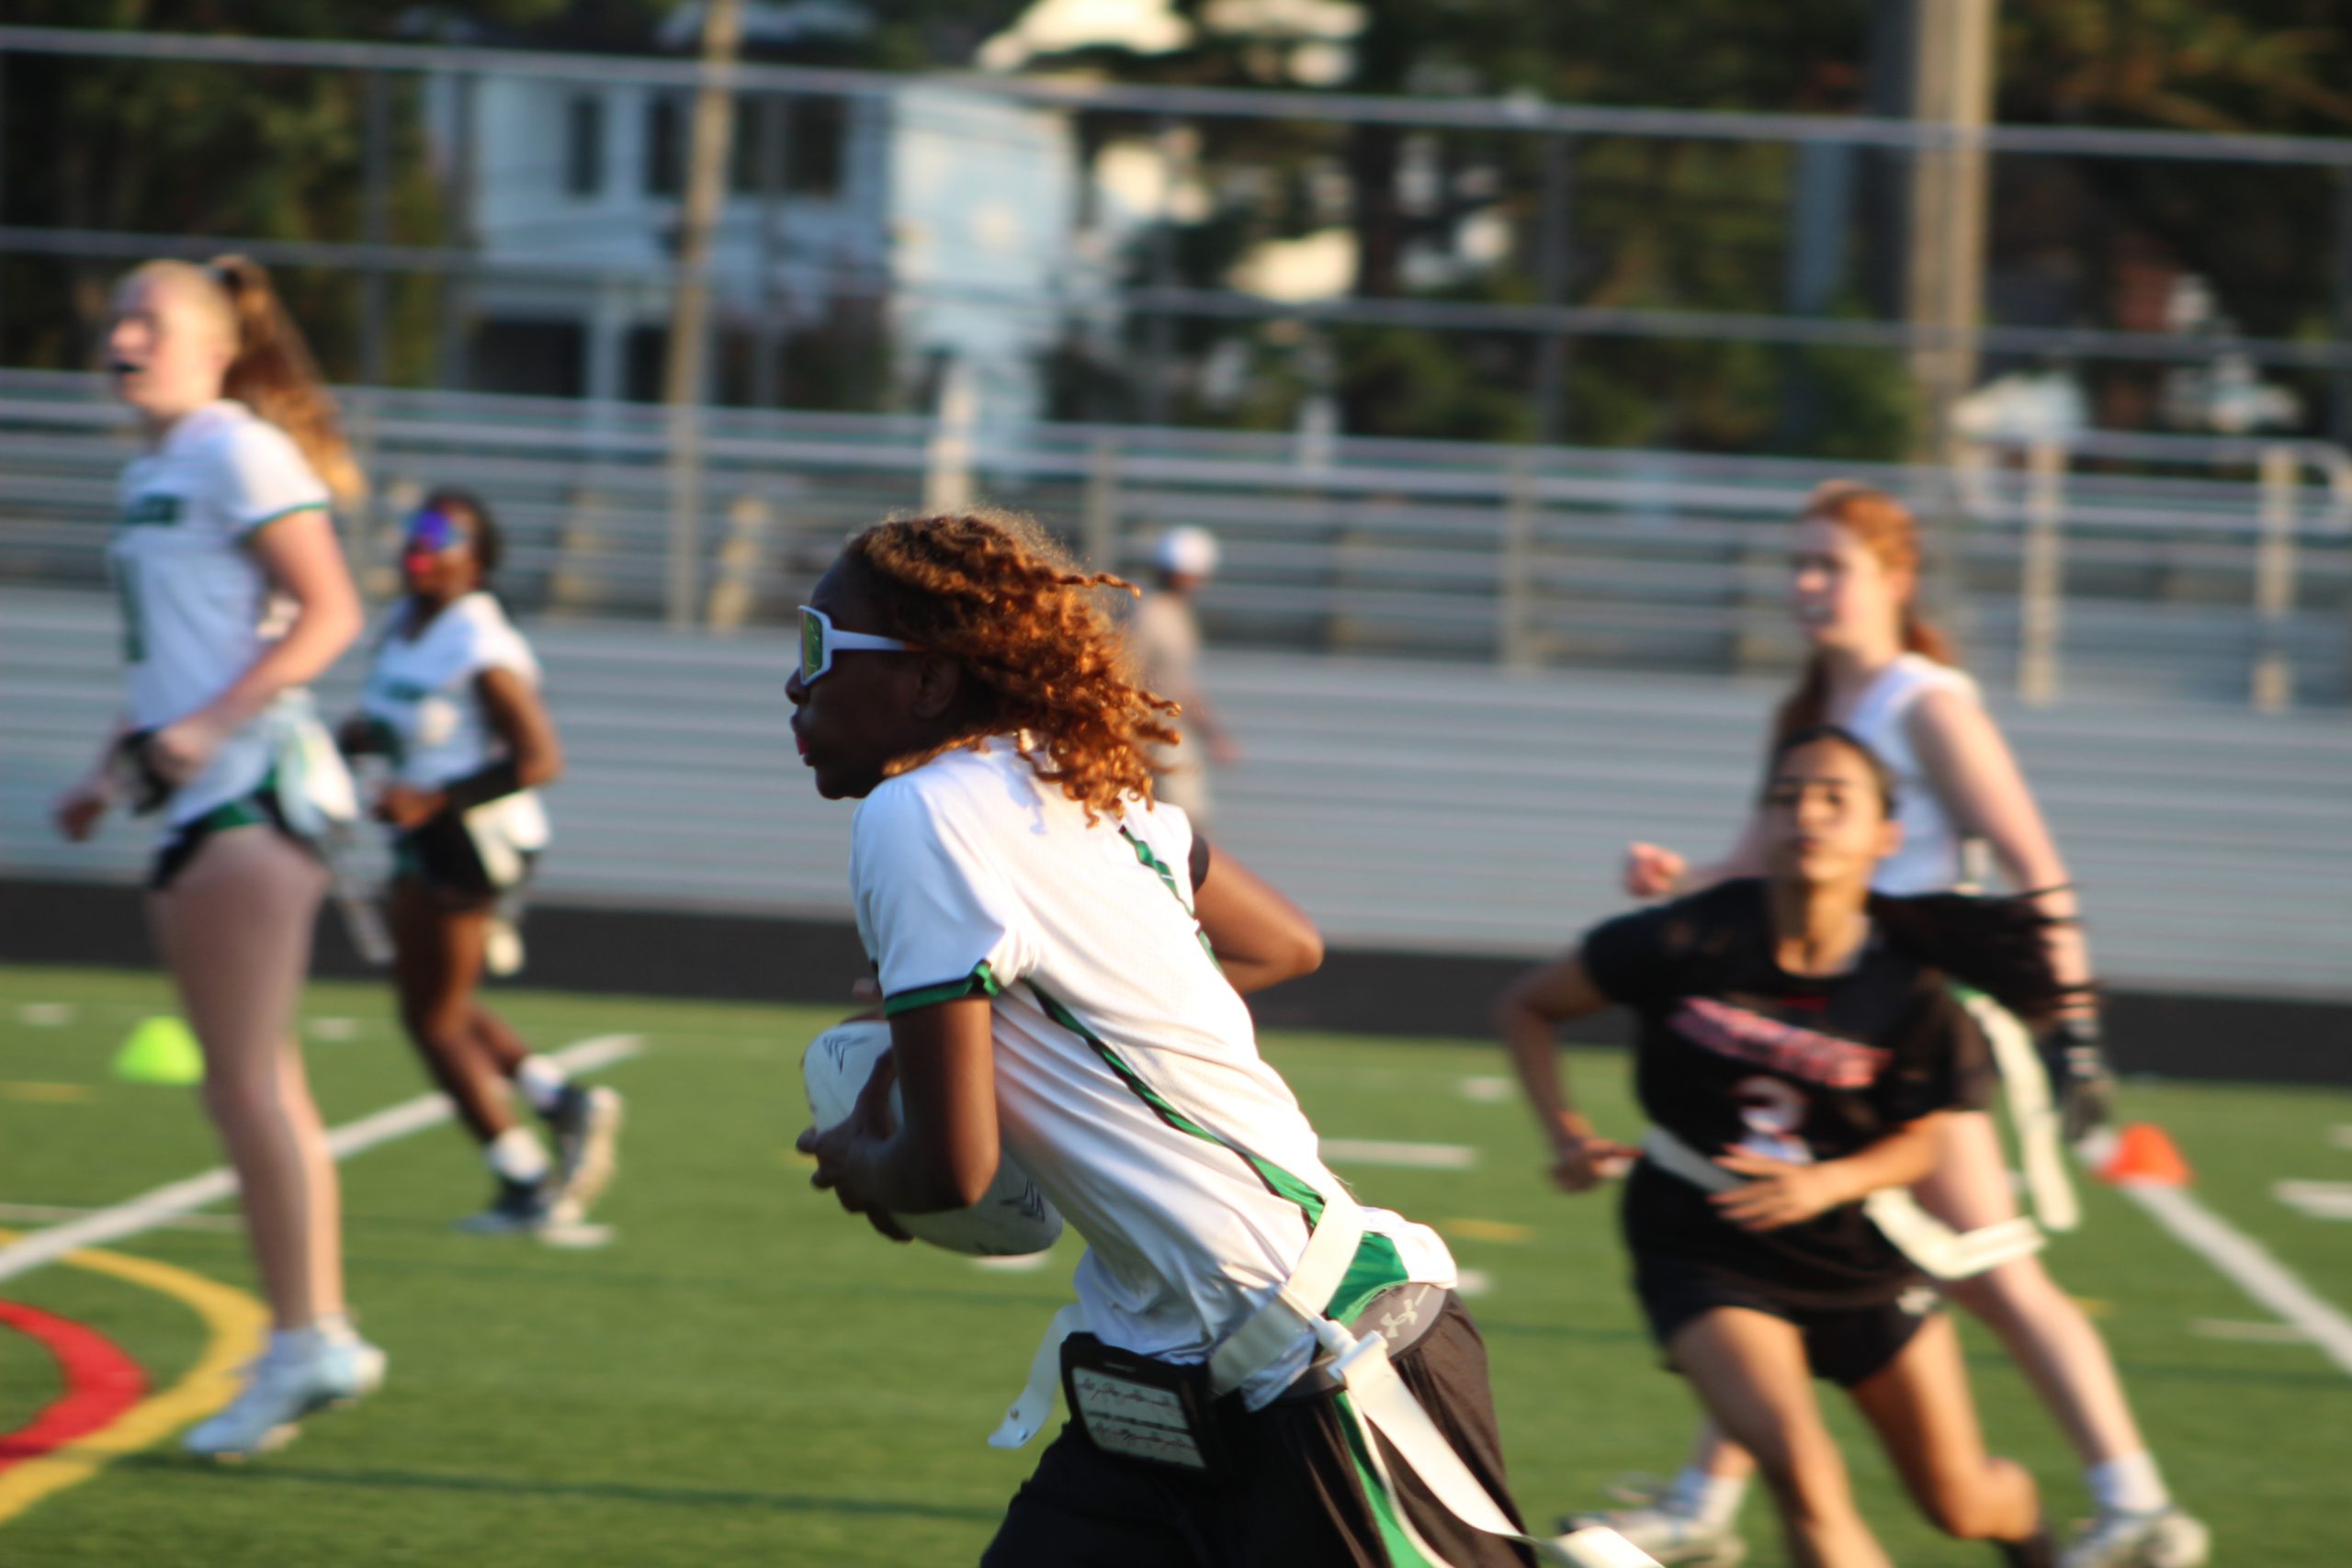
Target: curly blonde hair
[(995, 591)]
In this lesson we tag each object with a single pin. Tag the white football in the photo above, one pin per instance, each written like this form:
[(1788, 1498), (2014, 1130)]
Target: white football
[(1013, 1218)]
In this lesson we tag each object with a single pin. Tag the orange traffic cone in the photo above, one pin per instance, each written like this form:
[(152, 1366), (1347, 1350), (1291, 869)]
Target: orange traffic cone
[(2144, 1156)]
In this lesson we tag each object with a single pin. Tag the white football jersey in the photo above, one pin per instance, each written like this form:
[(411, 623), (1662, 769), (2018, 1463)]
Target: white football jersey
[(195, 604), (1931, 858), (1127, 1075), (424, 692)]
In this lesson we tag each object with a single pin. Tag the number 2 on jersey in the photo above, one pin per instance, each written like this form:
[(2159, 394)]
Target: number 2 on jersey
[(1773, 1111)]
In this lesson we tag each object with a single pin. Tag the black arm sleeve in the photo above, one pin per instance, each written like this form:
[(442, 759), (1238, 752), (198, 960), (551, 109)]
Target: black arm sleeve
[(478, 788)]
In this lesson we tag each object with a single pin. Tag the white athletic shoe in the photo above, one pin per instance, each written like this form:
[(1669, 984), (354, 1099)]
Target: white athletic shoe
[(2164, 1539), (1676, 1539), (587, 1127), (281, 1387), (515, 1208)]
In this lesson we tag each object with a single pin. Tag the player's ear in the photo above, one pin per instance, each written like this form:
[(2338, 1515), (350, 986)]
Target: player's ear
[(939, 684), (1889, 837)]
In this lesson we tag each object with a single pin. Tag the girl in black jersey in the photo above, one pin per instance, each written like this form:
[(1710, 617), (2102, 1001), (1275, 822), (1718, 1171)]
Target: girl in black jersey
[(1797, 1041)]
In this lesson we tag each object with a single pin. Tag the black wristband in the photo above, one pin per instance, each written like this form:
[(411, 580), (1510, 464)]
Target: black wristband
[(478, 788)]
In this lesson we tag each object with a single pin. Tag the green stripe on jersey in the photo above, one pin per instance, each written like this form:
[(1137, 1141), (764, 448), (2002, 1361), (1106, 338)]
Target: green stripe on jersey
[(1143, 854), (1279, 1181), (1386, 1509), (980, 982)]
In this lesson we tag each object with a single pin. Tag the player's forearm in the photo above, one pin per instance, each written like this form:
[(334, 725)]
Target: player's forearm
[(1900, 1159), (308, 650), (1532, 1043), (914, 1176)]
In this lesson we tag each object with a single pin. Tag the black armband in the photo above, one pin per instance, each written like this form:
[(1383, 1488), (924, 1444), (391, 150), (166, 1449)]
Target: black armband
[(1197, 861), (478, 788), (134, 772)]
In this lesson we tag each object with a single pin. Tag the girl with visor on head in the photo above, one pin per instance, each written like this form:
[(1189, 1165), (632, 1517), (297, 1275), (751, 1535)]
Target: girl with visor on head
[(235, 597), (452, 704), (1798, 1050), (1062, 961), (1882, 670)]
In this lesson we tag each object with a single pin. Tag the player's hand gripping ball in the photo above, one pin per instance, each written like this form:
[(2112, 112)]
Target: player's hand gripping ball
[(1012, 1218)]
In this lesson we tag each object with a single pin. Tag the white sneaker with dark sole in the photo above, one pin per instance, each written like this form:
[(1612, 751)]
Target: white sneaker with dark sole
[(283, 1387), (517, 1208), (1676, 1539), (2164, 1539)]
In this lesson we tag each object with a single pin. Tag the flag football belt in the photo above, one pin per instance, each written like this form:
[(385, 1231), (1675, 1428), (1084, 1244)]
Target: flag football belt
[(2025, 1084), (1940, 1251), (1359, 1367)]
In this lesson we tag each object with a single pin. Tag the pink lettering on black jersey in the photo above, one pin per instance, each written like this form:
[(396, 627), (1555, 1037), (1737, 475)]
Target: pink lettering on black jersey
[(1787, 1048)]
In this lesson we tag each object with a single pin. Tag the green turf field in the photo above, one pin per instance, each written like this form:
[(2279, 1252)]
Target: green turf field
[(745, 1375)]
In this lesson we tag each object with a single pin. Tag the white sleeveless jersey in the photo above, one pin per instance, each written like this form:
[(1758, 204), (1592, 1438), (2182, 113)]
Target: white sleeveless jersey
[(1931, 859), (1127, 1076), (195, 604), (424, 692)]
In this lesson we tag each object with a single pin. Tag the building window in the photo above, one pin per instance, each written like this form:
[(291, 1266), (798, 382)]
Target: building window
[(755, 119), (814, 145), (531, 358), (665, 146), (584, 146)]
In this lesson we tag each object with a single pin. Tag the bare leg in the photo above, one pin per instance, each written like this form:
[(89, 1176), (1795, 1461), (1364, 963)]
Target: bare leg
[(2045, 1332), (1750, 1369), (496, 1040), (234, 929), (437, 960), (1919, 1404)]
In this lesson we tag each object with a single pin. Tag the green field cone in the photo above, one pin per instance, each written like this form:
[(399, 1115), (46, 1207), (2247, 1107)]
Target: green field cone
[(161, 1050)]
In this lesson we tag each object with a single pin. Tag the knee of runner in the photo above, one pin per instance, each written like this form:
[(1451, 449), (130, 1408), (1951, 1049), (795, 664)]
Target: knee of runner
[(1962, 1508), (242, 1097)]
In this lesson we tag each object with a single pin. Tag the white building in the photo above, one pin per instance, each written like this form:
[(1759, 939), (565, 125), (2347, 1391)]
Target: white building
[(863, 241)]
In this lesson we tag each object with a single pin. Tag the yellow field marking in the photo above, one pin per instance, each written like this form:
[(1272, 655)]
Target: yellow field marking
[(48, 1093), (238, 1325), (1488, 1230)]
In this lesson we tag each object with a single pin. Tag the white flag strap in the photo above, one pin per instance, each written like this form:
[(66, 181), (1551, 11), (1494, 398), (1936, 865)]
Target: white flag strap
[(2025, 1084), (1942, 1251)]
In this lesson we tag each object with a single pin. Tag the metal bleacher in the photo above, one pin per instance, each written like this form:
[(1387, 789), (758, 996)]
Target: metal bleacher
[(1461, 678), (1410, 806)]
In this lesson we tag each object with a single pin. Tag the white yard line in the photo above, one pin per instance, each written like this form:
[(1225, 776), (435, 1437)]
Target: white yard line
[(1414, 1156), (2248, 1333), (2249, 1265), (169, 1203)]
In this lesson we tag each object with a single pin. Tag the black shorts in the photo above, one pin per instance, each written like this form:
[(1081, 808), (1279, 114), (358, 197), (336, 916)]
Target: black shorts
[(440, 853), (1289, 1491), (1846, 1345), (179, 846)]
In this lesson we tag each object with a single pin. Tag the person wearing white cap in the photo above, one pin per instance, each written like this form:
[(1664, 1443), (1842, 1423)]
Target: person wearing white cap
[(1165, 638)]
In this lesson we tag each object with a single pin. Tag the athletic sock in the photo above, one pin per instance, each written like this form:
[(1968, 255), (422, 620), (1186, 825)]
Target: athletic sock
[(1713, 1500), (2129, 1485), (516, 1155), (542, 1083), (293, 1344), (335, 1327), (2035, 1550)]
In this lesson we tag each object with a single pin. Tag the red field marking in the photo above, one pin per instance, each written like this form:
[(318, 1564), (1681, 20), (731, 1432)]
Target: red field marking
[(101, 1383)]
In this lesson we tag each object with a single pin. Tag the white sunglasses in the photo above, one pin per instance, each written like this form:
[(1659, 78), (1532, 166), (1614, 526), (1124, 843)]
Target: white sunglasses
[(820, 640)]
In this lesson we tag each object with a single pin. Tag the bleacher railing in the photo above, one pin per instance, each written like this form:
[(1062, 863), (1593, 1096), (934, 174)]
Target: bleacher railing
[(2215, 570)]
